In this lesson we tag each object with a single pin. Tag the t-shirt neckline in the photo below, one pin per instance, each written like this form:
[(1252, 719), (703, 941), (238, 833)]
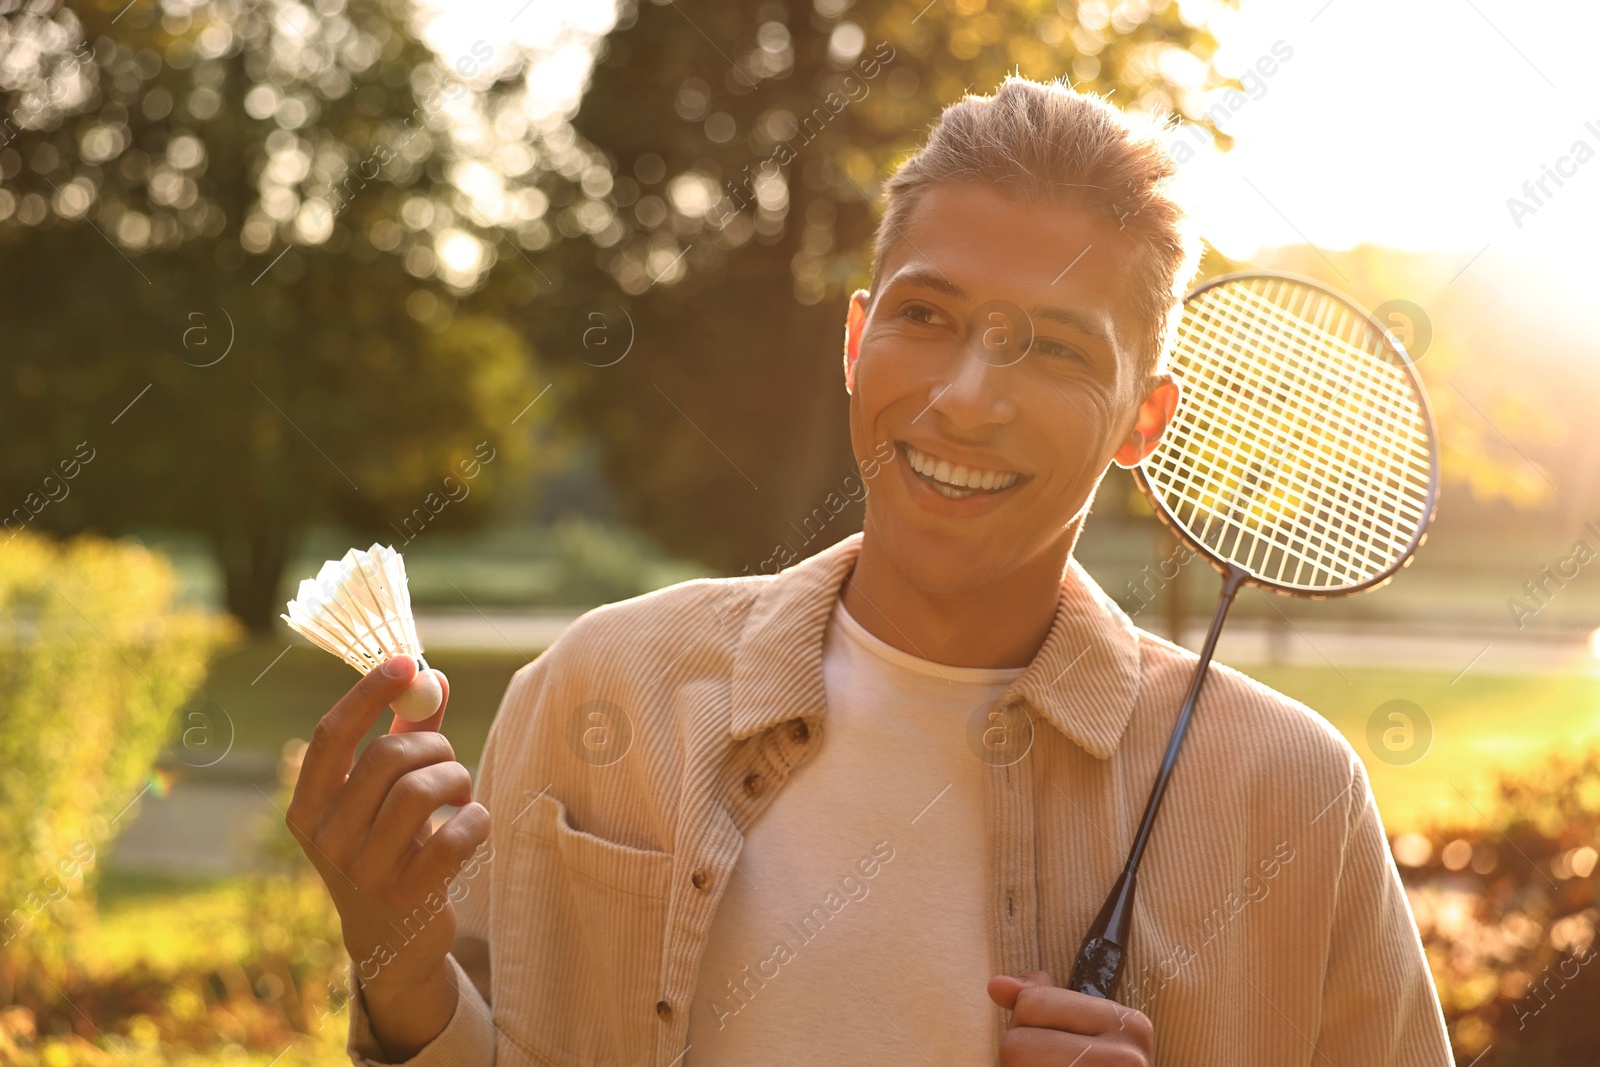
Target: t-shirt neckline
[(882, 650)]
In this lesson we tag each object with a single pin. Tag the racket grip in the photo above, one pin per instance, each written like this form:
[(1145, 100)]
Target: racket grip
[(1098, 969)]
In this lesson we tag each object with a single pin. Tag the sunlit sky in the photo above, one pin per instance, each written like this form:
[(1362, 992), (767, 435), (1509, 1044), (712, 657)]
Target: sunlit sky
[(1409, 124), (1406, 123)]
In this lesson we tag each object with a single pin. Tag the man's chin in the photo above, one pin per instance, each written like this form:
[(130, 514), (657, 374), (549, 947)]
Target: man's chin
[(940, 562)]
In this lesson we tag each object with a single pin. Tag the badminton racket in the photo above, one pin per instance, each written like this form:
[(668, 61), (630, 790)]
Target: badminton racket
[(1301, 459)]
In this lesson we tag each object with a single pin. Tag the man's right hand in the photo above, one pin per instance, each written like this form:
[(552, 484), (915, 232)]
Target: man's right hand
[(367, 831)]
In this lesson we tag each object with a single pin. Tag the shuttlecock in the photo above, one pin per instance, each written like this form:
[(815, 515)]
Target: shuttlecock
[(359, 609)]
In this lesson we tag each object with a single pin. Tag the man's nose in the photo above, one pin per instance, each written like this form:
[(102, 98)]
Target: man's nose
[(998, 337), (977, 394)]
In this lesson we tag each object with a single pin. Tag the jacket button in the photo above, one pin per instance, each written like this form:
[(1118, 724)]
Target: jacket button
[(800, 732), (663, 1009), (701, 878), (753, 784)]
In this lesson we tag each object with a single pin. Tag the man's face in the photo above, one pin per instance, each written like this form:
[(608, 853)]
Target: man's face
[(938, 362)]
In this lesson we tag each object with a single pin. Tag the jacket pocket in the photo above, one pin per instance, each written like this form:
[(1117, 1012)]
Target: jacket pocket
[(582, 925)]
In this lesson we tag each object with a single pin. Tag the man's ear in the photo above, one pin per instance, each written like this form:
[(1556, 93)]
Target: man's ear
[(1155, 411), (855, 322)]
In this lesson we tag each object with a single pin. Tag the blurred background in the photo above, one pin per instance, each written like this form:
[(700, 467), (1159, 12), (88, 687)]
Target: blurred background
[(548, 296)]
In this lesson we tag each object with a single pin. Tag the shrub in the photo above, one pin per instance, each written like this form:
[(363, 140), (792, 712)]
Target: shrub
[(97, 656), (1508, 914)]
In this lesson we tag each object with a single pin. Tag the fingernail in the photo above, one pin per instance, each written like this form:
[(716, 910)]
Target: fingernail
[(399, 667)]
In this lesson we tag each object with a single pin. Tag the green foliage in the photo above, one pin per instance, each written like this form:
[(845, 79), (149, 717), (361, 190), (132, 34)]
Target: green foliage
[(99, 656), (242, 971), (175, 973), (234, 243), (596, 563), (155, 164)]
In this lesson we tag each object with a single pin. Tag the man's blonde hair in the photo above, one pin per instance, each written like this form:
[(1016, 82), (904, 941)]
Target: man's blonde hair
[(1050, 143)]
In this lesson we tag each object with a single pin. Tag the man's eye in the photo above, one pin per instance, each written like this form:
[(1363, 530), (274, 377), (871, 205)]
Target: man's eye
[(1045, 346), (922, 314)]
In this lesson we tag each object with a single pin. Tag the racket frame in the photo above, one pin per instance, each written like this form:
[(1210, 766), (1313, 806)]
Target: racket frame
[(1097, 969), (1430, 505)]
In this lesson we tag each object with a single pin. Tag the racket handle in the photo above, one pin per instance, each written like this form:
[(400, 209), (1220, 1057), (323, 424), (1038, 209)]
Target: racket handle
[(1098, 969)]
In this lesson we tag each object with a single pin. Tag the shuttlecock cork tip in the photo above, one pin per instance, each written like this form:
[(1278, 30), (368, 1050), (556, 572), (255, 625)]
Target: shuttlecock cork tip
[(421, 698)]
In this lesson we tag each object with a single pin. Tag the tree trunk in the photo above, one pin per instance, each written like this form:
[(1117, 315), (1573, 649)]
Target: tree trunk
[(252, 565)]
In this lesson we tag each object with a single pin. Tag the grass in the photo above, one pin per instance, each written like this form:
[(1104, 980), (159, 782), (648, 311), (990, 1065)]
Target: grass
[(1481, 725)]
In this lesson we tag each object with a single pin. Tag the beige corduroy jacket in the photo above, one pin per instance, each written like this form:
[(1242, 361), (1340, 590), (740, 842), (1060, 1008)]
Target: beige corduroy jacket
[(1270, 929)]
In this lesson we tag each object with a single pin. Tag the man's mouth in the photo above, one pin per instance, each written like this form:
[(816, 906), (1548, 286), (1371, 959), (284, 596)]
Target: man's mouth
[(957, 480)]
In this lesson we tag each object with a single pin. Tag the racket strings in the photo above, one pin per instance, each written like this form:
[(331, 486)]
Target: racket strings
[(1377, 407), (1277, 445), (1260, 480), (1300, 451)]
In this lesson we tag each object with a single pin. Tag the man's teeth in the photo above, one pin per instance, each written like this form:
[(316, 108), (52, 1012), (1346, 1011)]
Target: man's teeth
[(960, 480)]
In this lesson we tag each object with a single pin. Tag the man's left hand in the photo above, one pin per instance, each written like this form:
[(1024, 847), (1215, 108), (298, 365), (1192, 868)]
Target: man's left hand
[(1055, 1027)]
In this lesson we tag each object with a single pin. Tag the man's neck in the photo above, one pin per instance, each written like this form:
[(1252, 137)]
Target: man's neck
[(1001, 624)]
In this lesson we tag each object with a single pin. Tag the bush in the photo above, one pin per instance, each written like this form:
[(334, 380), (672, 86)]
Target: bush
[(1508, 914), (252, 970), (97, 657)]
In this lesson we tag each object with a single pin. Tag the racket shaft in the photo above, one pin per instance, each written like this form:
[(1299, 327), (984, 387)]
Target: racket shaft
[(1230, 587), (1098, 967)]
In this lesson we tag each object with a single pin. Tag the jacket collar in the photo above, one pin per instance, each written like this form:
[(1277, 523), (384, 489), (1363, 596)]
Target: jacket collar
[(1083, 681)]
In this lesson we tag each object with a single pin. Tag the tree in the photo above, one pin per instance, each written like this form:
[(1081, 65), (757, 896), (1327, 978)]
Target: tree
[(744, 145), (234, 242)]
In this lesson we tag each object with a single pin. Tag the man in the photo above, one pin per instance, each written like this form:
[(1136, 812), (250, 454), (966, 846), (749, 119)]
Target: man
[(863, 810)]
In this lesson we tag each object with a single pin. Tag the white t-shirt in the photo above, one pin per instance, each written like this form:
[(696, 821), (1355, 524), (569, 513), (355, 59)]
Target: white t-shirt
[(854, 928)]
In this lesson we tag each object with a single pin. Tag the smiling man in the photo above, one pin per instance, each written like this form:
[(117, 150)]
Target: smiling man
[(862, 811)]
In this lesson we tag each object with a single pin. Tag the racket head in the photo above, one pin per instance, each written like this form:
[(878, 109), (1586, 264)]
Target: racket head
[(1276, 463)]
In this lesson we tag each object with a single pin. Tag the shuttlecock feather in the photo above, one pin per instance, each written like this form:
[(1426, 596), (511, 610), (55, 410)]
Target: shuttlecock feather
[(359, 609)]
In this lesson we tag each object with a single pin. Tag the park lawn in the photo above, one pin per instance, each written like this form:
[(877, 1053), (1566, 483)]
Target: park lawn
[(1481, 723)]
